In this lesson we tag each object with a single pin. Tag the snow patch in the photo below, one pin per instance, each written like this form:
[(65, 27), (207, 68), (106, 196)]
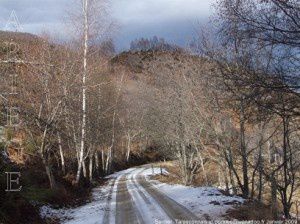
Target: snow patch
[(91, 212), (120, 173), (207, 202)]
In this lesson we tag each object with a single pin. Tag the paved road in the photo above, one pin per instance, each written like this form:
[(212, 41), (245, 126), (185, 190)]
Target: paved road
[(126, 211), (139, 201), (173, 209)]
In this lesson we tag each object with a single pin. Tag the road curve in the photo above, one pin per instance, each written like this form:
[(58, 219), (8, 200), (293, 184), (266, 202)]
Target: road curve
[(139, 201)]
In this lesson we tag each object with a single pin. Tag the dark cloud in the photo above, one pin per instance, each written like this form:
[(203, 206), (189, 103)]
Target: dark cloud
[(178, 32)]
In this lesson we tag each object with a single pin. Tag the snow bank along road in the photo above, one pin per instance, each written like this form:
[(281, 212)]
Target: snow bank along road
[(131, 197)]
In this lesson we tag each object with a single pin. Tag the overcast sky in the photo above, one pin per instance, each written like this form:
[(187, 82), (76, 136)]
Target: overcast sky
[(175, 20)]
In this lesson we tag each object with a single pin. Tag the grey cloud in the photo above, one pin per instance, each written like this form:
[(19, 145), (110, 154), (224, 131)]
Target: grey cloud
[(33, 14), (178, 32), (171, 19)]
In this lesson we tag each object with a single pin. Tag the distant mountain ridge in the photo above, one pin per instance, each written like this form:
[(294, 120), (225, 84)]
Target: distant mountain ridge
[(154, 43), (17, 36)]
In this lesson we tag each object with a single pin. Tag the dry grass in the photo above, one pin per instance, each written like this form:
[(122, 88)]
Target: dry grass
[(175, 177), (166, 179), (174, 173), (212, 175), (251, 210)]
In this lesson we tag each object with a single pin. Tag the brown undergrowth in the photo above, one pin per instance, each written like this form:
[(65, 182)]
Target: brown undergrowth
[(250, 210)]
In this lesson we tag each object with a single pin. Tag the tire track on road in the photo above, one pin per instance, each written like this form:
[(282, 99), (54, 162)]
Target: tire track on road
[(148, 206), (139, 190), (126, 211), (172, 208), (106, 218)]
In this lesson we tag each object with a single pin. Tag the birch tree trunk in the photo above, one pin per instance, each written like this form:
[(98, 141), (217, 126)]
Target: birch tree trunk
[(103, 161), (97, 162), (225, 173), (203, 169), (49, 172), (61, 152), (45, 161), (83, 125), (128, 147), (84, 172), (91, 167)]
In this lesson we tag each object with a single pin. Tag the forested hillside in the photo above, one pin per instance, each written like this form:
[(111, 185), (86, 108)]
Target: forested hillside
[(218, 122)]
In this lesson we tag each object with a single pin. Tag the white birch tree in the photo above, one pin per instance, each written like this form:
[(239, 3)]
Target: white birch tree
[(92, 25)]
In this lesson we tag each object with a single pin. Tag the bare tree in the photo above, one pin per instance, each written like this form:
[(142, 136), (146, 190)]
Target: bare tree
[(91, 25)]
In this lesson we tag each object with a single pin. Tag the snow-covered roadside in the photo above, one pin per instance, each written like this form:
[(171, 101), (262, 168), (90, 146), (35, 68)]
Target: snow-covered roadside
[(205, 202), (120, 173), (93, 211)]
